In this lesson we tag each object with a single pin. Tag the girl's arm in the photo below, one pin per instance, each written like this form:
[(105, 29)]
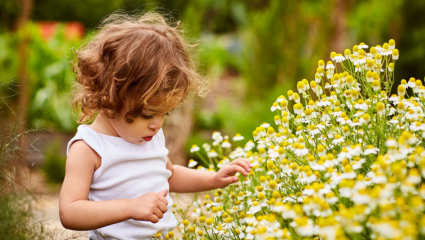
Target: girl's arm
[(78, 213), (184, 179)]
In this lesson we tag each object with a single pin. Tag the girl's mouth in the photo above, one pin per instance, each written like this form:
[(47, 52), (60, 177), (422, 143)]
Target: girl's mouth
[(147, 139)]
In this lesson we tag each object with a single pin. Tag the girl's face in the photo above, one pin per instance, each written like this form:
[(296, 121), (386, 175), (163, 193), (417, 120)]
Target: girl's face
[(144, 127)]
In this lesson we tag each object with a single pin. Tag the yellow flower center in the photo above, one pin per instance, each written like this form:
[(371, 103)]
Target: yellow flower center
[(395, 52), (347, 52), (380, 106)]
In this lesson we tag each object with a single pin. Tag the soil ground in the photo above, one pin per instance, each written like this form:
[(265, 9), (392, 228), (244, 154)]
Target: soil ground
[(46, 208)]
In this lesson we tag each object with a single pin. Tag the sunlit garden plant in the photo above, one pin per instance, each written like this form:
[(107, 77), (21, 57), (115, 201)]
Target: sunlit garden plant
[(346, 163)]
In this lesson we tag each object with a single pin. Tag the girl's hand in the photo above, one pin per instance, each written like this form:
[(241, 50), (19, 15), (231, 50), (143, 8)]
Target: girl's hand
[(226, 175), (149, 207)]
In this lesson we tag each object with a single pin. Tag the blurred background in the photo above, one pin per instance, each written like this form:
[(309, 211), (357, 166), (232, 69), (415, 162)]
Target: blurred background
[(251, 51)]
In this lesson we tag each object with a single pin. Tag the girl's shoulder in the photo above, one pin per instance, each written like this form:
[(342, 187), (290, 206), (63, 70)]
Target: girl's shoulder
[(84, 145), (89, 136), (81, 151)]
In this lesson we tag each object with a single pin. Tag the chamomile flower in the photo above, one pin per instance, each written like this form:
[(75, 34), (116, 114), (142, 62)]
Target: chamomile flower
[(330, 66), (358, 163), (238, 137), (317, 78), (353, 58), (249, 146), (371, 150), (395, 54), (418, 84), (391, 44), (411, 115), (385, 50), (301, 150), (303, 226), (217, 136), (387, 229), (192, 163), (365, 119), (296, 98), (347, 53), (361, 105), (206, 147), (355, 150), (358, 68), (376, 85), (228, 223), (298, 108), (338, 139), (414, 176), (339, 58), (314, 130), (275, 107), (380, 107), (391, 67), (417, 126), (400, 107), (280, 98), (404, 84), (321, 63), (226, 144), (212, 153), (194, 148), (255, 207), (412, 82), (355, 123), (256, 135), (363, 46), (360, 61), (323, 103)]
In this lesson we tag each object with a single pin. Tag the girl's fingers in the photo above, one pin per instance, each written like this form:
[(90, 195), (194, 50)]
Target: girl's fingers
[(162, 198), (162, 207), (230, 180), (231, 170), (242, 162), (157, 212), (153, 218)]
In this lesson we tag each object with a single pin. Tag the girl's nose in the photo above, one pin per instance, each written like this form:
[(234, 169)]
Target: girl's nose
[(155, 124)]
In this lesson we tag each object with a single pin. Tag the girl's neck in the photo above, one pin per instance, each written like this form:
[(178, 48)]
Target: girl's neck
[(103, 126)]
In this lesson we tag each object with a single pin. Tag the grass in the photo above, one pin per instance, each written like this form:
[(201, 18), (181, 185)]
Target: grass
[(16, 221)]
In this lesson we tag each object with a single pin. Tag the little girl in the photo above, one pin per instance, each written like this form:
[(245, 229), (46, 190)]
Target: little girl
[(118, 175)]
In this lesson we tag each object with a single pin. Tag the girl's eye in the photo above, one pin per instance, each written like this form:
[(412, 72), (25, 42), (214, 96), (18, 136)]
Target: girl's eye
[(151, 116), (146, 116)]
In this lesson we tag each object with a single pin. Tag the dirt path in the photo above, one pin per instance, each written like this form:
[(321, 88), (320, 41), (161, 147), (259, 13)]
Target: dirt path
[(47, 210)]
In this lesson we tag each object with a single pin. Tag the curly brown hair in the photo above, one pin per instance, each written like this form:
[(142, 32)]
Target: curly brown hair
[(133, 63)]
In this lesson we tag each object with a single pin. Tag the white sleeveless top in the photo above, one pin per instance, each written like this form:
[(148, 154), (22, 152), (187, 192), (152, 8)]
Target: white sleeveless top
[(128, 170)]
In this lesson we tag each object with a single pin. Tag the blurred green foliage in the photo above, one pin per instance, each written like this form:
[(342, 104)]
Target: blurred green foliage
[(266, 46), (412, 37), (54, 163), (50, 76)]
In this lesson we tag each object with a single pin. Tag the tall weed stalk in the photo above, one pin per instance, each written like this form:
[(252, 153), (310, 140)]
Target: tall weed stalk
[(16, 221)]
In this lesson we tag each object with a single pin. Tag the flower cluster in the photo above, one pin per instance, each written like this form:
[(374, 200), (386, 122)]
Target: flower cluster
[(348, 162)]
